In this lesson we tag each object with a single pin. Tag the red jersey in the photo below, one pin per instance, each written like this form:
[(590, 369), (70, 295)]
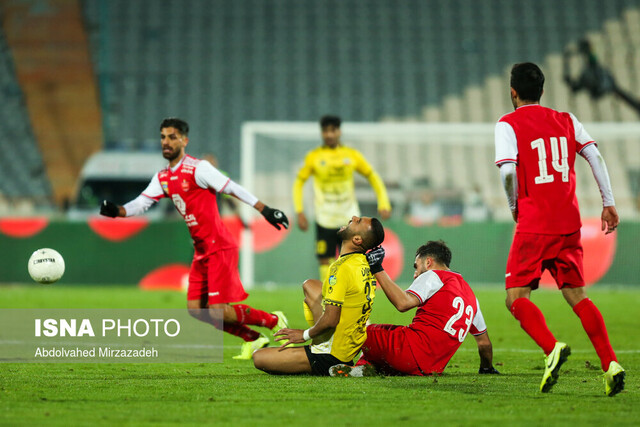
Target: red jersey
[(448, 310), (197, 205), (543, 143)]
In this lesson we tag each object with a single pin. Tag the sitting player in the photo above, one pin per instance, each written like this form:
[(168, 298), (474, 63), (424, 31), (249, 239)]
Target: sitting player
[(341, 307), (447, 311)]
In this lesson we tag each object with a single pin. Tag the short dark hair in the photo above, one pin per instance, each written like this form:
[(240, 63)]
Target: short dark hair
[(436, 249), (375, 237), (174, 122), (528, 81), (330, 120)]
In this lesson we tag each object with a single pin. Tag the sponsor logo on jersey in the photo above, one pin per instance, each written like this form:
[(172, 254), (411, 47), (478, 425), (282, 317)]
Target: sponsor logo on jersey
[(188, 169), (173, 178), (165, 186), (185, 185), (332, 280)]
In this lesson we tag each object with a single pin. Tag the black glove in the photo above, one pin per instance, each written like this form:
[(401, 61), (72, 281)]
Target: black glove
[(490, 370), (109, 209), (275, 217), (374, 258)]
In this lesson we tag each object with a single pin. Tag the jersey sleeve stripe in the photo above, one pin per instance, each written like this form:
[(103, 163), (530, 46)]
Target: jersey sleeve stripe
[(586, 145), (224, 186), (332, 302), (501, 161), (416, 294)]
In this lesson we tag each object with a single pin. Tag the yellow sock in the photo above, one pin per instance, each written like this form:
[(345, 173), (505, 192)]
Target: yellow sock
[(324, 271), (308, 315)]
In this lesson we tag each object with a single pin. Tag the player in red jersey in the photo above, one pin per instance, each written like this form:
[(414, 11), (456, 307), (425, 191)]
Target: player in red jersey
[(447, 311), (214, 281), (536, 149)]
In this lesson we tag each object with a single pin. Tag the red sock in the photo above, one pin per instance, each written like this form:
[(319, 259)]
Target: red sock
[(593, 324), (250, 316), (532, 321), (362, 361), (241, 331)]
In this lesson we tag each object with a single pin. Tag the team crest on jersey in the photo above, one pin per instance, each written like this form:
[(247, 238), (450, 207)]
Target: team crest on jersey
[(165, 186), (185, 185), (332, 280), (347, 161)]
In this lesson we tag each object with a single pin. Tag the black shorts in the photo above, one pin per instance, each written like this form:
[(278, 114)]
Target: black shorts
[(320, 363), (327, 242)]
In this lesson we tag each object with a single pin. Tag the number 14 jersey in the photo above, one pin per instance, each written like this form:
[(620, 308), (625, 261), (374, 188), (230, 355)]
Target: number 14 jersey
[(543, 143)]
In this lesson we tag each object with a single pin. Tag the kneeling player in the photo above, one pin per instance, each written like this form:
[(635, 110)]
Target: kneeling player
[(341, 307), (447, 311)]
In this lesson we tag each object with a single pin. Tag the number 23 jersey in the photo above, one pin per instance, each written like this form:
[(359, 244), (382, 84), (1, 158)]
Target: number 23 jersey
[(543, 143), (447, 312)]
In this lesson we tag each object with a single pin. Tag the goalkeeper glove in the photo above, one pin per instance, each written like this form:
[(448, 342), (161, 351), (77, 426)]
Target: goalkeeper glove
[(374, 258), (490, 370), (275, 217), (109, 209)]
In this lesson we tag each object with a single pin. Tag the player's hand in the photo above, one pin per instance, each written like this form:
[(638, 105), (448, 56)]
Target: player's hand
[(384, 213), (289, 336), (303, 224), (275, 217), (610, 219), (375, 257), (490, 370), (109, 209)]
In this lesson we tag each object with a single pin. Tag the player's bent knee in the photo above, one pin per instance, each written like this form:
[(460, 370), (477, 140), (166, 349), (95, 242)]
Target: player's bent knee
[(263, 359), (259, 360), (311, 287)]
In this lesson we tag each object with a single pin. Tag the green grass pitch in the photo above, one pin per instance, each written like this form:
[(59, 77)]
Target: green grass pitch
[(234, 393)]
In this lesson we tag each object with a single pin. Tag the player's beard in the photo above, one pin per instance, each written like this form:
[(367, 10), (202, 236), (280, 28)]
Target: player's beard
[(172, 154), (344, 233)]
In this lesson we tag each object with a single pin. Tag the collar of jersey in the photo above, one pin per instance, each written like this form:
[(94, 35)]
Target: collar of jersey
[(175, 168)]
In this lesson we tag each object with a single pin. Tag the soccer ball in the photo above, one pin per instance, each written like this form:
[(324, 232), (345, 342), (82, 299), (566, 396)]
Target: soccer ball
[(46, 266)]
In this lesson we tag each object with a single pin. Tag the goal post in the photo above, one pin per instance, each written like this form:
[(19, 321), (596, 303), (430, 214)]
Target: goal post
[(420, 160)]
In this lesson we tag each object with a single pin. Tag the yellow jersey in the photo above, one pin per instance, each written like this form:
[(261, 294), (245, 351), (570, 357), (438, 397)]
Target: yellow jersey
[(335, 199), (351, 286)]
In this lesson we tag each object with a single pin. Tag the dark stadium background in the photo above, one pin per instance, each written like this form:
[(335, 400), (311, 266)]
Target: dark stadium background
[(78, 77)]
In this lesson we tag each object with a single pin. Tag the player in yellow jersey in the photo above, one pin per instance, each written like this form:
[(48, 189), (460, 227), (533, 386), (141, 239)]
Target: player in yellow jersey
[(341, 307), (332, 166)]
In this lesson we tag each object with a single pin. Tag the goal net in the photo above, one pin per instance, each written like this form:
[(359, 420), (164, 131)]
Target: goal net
[(431, 170)]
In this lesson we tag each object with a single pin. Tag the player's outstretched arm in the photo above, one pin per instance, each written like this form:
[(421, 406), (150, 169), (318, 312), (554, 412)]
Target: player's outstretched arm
[(485, 351), (401, 300)]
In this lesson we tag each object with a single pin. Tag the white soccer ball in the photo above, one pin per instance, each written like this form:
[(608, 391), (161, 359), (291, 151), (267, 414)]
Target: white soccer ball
[(46, 266)]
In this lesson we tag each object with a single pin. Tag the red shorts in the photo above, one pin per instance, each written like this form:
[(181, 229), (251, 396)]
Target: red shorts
[(387, 348), (215, 278), (531, 254)]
